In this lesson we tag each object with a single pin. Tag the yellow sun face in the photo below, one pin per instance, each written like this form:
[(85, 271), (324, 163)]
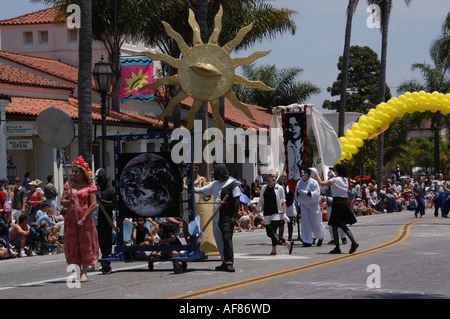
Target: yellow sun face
[(136, 82), (206, 71)]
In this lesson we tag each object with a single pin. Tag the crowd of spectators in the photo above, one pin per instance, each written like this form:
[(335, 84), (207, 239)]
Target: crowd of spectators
[(30, 221)]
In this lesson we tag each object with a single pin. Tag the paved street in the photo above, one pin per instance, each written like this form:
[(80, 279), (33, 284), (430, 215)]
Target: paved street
[(399, 257)]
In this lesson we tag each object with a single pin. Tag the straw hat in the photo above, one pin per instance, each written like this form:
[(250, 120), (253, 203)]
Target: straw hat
[(38, 182)]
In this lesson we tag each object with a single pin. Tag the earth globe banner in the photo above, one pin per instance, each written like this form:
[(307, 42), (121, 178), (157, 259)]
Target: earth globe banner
[(150, 185)]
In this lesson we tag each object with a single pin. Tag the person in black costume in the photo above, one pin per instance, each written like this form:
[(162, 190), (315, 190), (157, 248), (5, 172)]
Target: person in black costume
[(224, 221), (106, 196)]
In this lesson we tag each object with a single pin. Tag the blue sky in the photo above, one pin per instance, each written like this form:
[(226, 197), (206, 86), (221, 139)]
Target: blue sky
[(319, 38)]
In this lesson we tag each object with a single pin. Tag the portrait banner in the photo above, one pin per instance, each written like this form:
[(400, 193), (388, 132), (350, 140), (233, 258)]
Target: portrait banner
[(295, 137)]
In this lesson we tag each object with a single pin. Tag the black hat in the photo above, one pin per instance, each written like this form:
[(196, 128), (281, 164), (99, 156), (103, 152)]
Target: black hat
[(221, 170)]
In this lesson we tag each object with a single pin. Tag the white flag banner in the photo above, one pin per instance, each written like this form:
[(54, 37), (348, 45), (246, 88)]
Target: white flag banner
[(326, 138), (277, 159)]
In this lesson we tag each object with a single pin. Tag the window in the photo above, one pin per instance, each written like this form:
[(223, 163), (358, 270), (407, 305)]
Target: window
[(43, 37), (72, 36), (28, 38)]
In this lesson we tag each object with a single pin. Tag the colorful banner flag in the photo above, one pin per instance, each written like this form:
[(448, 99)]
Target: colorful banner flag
[(136, 72)]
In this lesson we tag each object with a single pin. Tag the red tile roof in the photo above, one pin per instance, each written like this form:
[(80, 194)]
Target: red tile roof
[(15, 76), (51, 66), (23, 106), (237, 118), (47, 15)]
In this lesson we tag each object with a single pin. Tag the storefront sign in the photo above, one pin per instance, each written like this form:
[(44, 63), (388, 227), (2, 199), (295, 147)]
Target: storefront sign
[(23, 129), (18, 145)]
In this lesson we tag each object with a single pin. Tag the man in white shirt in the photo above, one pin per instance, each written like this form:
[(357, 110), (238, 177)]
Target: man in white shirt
[(223, 222)]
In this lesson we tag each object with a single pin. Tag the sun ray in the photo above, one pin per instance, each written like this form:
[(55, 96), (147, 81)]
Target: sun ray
[(214, 38), (184, 48), (238, 39), (171, 80), (164, 58), (196, 37), (252, 57), (173, 102), (215, 107), (191, 115), (237, 79), (230, 95)]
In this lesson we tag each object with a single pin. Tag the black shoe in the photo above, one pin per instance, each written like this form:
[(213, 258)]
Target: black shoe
[(344, 241), (331, 242), (319, 242), (229, 268), (306, 245), (222, 267), (353, 248), (291, 246), (273, 253), (335, 251)]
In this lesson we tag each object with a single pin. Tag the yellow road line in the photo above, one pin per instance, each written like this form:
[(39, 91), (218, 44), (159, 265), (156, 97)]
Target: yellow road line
[(402, 235)]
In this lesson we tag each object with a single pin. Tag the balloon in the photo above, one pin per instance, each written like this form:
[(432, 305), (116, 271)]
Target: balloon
[(380, 116)]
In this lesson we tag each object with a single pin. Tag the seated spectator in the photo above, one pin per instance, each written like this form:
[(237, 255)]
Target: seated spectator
[(4, 240), (167, 237), (141, 235), (386, 202), (41, 210), (53, 224), (18, 234), (47, 241)]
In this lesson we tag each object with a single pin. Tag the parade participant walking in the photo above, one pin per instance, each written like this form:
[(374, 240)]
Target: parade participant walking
[(329, 196), (80, 236), (439, 197), (419, 191), (223, 222), (341, 214), (272, 202), (106, 195), (307, 195)]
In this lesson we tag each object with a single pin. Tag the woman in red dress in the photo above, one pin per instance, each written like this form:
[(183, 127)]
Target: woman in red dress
[(80, 236)]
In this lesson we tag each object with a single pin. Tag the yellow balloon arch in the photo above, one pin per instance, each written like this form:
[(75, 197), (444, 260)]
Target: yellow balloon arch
[(378, 118)]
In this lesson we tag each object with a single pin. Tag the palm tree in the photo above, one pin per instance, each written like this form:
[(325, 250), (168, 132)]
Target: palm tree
[(351, 7), (434, 79), (85, 82), (440, 48), (386, 7), (286, 89)]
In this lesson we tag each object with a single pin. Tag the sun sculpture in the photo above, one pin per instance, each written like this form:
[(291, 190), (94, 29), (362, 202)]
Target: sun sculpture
[(206, 71)]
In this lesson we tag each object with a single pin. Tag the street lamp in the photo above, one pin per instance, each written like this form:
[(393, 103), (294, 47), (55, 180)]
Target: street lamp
[(103, 75), (11, 169)]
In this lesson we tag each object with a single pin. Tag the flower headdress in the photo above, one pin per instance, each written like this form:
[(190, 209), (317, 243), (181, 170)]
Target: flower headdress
[(82, 163)]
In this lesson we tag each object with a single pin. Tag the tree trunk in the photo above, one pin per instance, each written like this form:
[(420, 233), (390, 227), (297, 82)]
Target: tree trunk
[(85, 82), (385, 12), (345, 64)]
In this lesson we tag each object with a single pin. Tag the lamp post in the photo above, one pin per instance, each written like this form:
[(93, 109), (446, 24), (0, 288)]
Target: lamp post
[(11, 169), (103, 76)]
